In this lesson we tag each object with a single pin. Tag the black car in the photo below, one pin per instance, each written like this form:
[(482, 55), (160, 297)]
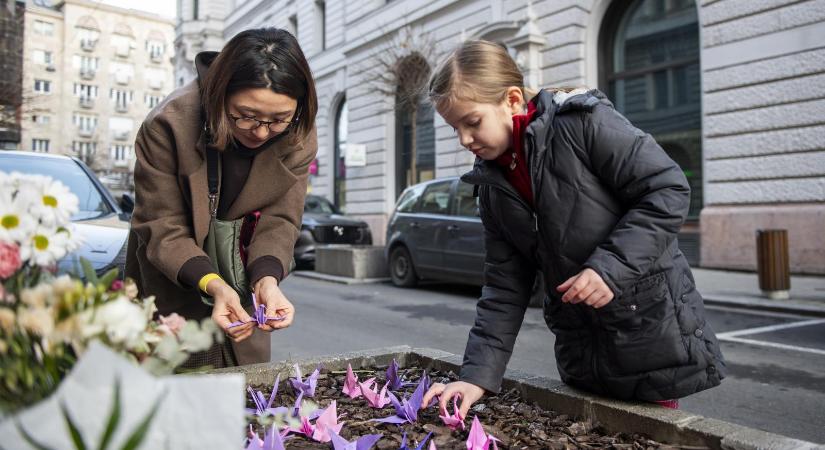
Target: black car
[(102, 223), (435, 233), (323, 223)]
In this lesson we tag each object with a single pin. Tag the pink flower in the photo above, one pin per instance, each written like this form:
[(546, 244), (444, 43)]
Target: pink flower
[(173, 322), (116, 285), (9, 260)]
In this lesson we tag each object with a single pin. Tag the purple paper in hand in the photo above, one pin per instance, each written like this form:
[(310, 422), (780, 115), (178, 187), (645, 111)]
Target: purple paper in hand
[(408, 410), (259, 316), (363, 443)]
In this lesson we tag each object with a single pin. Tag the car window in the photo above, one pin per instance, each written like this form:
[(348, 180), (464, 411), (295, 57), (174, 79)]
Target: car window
[(436, 199), (408, 200), (466, 203), (318, 205), (91, 201)]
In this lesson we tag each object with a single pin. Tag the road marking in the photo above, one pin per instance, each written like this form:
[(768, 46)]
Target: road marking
[(770, 328), (772, 345)]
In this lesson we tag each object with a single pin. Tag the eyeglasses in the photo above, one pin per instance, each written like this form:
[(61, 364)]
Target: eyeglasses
[(275, 126)]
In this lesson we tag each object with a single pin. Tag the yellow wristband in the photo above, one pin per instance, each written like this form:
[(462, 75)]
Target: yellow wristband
[(206, 279)]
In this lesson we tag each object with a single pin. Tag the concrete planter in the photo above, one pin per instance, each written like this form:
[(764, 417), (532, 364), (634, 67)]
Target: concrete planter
[(352, 261), (661, 424)]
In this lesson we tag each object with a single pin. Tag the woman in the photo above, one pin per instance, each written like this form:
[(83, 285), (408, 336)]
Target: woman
[(569, 187), (252, 111)]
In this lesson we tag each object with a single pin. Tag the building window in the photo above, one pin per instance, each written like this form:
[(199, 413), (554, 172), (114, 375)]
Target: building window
[(320, 24), (44, 28), (85, 123), (194, 9), (339, 157), (42, 57), (120, 152), (152, 100), (41, 119), (42, 86), (85, 90), (156, 49), (414, 131), (649, 54), (122, 98), (40, 145), (85, 151)]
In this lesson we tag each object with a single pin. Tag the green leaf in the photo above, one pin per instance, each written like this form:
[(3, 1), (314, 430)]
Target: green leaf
[(114, 418), (29, 438), (73, 430), (89, 271), (139, 434), (109, 277)]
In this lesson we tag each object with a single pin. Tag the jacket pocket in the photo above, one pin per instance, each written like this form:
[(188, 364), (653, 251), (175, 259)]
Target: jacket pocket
[(639, 330)]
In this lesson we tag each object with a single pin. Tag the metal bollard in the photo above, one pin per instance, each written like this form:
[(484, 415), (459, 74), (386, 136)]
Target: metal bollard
[(772, 263)]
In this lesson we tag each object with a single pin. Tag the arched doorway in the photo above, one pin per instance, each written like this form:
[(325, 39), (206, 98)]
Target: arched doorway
[(649, 60), (339, 183), (415, 133)]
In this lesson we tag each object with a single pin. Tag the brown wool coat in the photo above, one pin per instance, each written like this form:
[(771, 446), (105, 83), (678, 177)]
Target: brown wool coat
[(171, 216)]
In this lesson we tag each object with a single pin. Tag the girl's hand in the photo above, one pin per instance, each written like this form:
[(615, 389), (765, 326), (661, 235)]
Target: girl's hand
[(467, 392), (269, 294), (227, 309), (587, 287)]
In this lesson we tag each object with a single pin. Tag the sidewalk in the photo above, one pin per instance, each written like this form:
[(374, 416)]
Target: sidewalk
[(741, 290)]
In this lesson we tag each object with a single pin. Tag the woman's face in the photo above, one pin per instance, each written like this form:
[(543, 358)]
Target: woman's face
[(485, 129), (261, 104)]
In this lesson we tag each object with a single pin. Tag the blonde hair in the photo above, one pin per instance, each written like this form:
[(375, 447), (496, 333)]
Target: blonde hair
[(478, 71)]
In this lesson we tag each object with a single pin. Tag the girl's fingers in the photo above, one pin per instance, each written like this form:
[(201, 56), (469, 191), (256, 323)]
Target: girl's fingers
[(435, 390), (566, 285)]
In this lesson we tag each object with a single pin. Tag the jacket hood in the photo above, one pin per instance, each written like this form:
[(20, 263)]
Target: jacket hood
[(202, 62)]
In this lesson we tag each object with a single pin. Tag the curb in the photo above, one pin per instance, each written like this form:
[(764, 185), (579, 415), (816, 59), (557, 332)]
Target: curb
[(311, 274), (802, 307), (659, 423)]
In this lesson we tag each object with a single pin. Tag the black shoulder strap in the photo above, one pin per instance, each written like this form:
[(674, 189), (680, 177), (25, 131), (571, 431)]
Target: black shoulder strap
[(212, 169)]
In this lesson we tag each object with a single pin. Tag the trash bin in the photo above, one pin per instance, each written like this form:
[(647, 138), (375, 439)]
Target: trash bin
[(773, 263)]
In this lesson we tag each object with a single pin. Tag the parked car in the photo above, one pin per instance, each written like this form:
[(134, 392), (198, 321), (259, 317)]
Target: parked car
[(102, 223), (323, 223), (435, 233)]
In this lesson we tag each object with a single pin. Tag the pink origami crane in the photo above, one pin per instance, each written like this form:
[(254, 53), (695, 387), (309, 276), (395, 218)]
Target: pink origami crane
[(259, 316), (305, 387), (262, 406), (420, 444), (432, 445), (478, 440), (375, 399), (455, 420), (327, 422), (351, 384), (408, 411), (363, 443)]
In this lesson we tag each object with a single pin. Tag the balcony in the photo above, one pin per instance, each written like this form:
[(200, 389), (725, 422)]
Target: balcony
[(51, 68), (123, 51), (155, 83), (156, 57), (88, 44), (121, 135), (87, 102), (120, 163), (85, 132), (87, 74), (122, 78)]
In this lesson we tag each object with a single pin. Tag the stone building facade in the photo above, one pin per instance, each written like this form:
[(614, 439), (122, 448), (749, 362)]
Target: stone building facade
[(92, 72), (732, 89)]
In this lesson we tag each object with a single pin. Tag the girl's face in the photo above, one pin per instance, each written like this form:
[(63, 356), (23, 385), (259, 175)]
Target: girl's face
[(263, 105), (485, 129)]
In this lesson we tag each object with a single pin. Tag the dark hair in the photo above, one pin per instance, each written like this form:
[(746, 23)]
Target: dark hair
[(259, 58)]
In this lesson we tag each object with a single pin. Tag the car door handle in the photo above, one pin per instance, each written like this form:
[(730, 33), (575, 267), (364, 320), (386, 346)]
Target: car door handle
[(453, 228), (414, 225)]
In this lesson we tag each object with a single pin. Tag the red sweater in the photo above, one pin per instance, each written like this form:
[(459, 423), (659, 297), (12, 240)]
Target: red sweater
[(517, 174)]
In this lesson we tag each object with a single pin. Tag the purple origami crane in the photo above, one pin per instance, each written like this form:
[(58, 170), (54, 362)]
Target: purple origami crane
[(363, 443), (351, 384), (262, 406), (307, 387), (455, 420), (420, 444), (408, 411), (477, 439), (327, 422), (375, 399), (259, 316), (396, 382), (272, 440)]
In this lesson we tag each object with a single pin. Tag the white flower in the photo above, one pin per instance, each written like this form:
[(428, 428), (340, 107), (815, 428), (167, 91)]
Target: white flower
[(37, 321), (45, 246), (38, 296), (7, 320), (64, 284), (16, 224), (122, 321), (55, 203)]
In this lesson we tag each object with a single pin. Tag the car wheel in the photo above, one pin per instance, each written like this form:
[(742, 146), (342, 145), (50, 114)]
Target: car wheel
[(402, 270)]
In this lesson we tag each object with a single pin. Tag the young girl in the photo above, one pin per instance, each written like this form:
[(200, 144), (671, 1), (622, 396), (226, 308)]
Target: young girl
[(569, 187), (234, 144)]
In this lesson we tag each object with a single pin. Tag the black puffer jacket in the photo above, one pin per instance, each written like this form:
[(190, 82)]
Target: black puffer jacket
[(609, 198)]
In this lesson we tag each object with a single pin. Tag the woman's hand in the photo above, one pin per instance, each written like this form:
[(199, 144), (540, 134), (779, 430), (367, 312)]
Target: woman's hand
[(269, 294), (587, 287), (227, 309), (467, 392)]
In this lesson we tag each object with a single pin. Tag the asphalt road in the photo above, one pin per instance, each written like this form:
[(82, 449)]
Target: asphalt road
[(776, 362)]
